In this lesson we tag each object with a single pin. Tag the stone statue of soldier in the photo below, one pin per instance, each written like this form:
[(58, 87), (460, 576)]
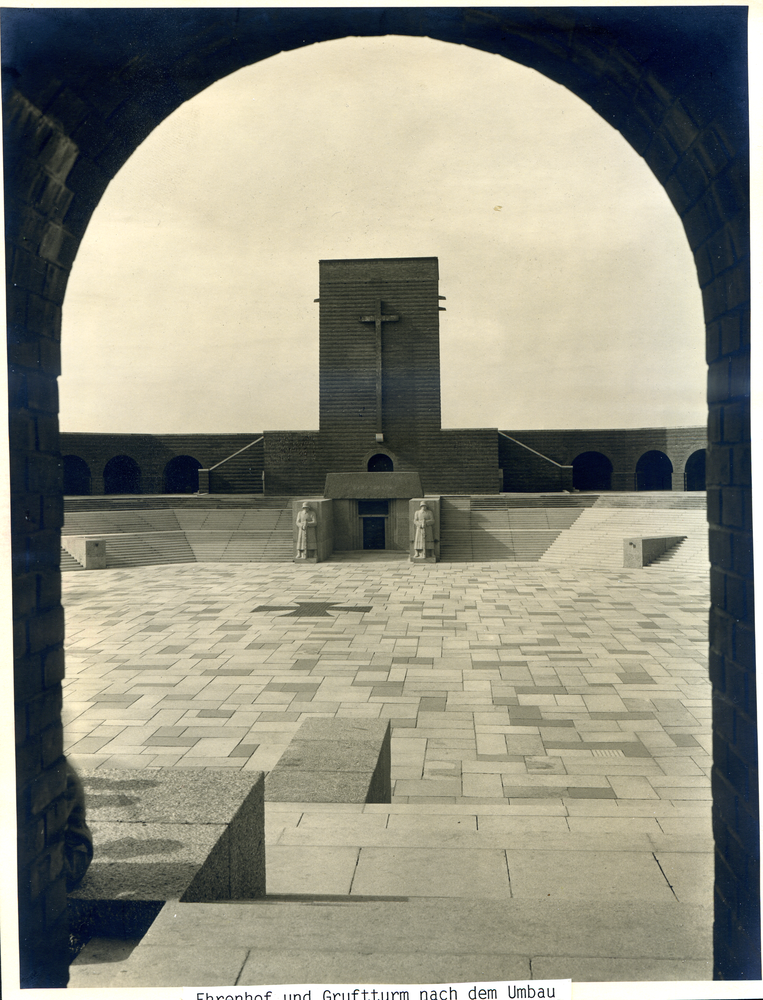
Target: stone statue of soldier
[(306, 522), (423, 538)]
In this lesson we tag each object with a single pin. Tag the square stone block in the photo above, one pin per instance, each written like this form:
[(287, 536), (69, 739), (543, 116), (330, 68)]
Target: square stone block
[(334, 760), (195, 836)]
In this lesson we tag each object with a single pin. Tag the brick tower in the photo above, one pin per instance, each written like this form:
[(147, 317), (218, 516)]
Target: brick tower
[(380, 350)]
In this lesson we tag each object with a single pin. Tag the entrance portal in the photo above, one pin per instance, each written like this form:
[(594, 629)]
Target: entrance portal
[(373, 514), (374, 535)]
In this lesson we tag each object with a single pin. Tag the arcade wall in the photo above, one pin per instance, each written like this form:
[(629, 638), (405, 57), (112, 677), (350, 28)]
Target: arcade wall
[(449, 461)]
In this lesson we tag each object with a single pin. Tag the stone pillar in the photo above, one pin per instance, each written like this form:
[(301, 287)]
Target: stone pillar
[(320, 535), (433, 548), (203, 480), (678, 481)]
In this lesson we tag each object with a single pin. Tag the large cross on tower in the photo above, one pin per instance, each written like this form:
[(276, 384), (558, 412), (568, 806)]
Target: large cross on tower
[(377, 319)]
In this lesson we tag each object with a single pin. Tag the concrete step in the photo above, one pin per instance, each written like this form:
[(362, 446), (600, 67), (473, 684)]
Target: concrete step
[(407, 940), (69, 563)]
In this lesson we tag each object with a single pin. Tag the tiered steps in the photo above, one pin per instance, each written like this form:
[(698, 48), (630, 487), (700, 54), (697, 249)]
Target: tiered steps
[(68, 562), (198, 529), (148, 549), (515, 528), (109, 521), (596, 538)]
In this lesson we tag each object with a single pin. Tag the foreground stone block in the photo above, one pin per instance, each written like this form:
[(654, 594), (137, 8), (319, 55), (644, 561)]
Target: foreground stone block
[(168, 835), (89, 552), (334, 760), (638, 552)]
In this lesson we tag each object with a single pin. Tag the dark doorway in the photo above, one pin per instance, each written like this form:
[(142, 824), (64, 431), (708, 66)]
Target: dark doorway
[(591, 471), (374, 536), (694, 473), (181, 475), (121, 475), (76, 476), (380, 463), (654, 472), (373, 514)]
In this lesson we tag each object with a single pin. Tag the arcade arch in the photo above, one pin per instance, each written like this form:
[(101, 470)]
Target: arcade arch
[(591, 471), (76, 476), (121, 474), (670, 87), (181, 475), (654, 471), (695, 471)]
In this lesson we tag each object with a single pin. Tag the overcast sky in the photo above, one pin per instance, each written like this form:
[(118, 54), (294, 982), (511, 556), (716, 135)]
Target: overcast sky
[(572, 298)]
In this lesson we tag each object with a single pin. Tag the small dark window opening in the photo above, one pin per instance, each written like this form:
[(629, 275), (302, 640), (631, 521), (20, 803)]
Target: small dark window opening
[(373, 508), (380, 463)]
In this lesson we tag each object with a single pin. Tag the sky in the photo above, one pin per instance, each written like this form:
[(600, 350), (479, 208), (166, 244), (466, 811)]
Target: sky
[(571, 293)]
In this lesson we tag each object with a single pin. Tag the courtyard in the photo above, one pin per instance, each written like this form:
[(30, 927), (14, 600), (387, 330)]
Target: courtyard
[(550, 753)]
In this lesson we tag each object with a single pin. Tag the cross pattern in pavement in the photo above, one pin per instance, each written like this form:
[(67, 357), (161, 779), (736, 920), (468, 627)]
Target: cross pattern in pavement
[(310, 609)]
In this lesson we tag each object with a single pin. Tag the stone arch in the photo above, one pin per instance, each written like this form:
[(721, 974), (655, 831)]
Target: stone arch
[(181, 475), (83, 89), (380, 463), (121, 474), (695, 471), (591, 470), (654, 471), (76, 476)]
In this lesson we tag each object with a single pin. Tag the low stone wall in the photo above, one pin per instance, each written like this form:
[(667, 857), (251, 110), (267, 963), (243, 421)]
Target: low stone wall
[(638, 552), (191, 836), (334, 760), (89, 552)]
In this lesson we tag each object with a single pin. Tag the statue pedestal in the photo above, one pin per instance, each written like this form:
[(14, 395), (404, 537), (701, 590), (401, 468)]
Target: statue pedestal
[(307, 561), (422, 559)]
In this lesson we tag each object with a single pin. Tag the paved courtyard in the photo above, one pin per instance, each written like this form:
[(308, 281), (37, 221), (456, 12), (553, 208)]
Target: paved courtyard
[(501, 681), (550, 752)]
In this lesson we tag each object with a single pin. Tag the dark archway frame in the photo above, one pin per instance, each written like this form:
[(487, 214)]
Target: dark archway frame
[(182, 469), (592, 470), (82, 88), (653, 468)]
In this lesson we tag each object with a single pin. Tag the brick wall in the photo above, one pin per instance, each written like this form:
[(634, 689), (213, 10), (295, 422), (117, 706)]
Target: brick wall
[(623, 447), (83, 87), (152, 452)]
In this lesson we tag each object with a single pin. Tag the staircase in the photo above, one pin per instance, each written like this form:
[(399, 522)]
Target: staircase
[(515, 528), (240, 472), (68, 562), (582, 529), (596, 537), (423, 894), (202, 529)]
